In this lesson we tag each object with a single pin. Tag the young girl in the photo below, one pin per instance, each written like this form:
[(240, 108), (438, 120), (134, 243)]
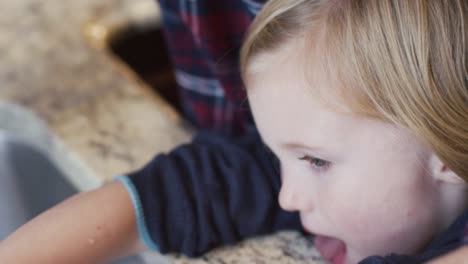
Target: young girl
[(365, 105)]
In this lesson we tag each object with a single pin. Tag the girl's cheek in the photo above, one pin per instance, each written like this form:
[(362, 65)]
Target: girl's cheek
[(348, 211), (360, 217), (375, 223)]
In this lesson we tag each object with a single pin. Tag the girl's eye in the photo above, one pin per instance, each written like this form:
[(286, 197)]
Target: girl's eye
[(317, 163)]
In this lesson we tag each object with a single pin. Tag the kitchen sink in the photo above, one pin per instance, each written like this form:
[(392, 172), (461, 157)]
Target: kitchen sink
[(29, 183), (32, 177)]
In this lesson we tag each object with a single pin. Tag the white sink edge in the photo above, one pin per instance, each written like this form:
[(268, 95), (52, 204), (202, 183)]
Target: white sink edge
[(24, 125)]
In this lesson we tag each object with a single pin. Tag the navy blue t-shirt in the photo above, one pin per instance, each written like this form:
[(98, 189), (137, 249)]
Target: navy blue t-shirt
[(216, 191)]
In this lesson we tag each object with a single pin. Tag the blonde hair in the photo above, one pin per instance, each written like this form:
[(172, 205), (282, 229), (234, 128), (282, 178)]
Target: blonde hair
[(402, 61)]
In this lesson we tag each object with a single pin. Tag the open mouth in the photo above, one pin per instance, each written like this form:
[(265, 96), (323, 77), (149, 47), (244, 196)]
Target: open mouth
[(332, 249)]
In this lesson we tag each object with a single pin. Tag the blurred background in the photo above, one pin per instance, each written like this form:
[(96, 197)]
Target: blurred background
[(84, 87)]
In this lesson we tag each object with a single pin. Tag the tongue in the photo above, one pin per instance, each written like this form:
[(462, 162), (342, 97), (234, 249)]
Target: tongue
[(332, 249)]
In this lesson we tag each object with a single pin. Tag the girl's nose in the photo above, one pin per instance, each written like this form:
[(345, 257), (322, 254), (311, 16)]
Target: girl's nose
[(294, 197)]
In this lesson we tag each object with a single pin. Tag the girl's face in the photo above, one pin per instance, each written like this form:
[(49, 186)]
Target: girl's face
[(363, 186)]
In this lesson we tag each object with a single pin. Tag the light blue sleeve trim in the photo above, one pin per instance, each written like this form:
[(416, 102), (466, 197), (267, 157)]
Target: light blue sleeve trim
[(142, 228)]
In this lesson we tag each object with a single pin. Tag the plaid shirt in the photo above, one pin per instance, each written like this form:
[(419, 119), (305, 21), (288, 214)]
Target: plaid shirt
[(204, 38)]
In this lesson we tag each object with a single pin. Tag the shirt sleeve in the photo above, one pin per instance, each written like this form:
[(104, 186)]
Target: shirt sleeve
[(213, 191)]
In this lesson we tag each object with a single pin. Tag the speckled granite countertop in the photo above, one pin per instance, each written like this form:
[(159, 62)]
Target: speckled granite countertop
[(102, 115)]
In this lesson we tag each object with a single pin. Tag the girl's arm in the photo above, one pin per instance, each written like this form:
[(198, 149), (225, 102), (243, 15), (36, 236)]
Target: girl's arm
[(90, 227), (214, 191)]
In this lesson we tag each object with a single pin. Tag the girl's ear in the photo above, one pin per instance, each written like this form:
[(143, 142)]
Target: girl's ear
[(443, 173)]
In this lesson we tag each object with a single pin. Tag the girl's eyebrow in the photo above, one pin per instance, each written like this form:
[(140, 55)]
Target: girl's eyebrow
[(312, 150), (296, 145)]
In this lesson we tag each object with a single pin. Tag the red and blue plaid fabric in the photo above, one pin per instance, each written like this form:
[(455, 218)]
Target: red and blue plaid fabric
[(204, 38)]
